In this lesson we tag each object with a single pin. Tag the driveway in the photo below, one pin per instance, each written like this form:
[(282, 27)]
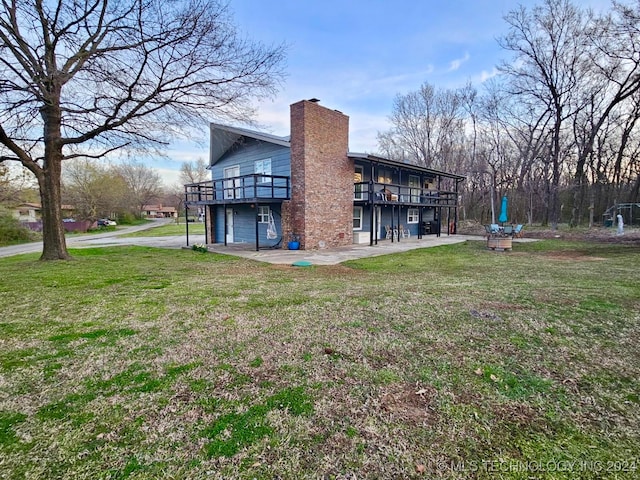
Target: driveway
[(109, 239), (329, 256)]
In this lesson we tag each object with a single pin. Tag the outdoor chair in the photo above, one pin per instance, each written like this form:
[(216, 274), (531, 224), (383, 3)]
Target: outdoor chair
[(389, 232), (404, 232), (495, 228), (507, 229), (517, 232)]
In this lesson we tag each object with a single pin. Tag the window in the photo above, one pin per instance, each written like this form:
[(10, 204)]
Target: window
[(262, 167), (357, 179), (263, 214), (413, 215), (232, 185), (384, 176), (414, 183), (357, 218)]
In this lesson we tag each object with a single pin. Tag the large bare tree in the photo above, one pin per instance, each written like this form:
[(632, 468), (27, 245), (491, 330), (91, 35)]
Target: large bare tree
[(426, 127), (143, 185), (194, 172), (548, 44), (82, 78), (94, 189)]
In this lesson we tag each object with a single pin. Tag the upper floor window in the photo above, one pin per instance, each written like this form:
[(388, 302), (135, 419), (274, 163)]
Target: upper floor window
[(414, 183), (384, 176), (262, 167), (358, 187)]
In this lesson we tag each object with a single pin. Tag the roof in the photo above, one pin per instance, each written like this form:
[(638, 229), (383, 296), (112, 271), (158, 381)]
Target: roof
[(38, 206), (158, 208), (223, 137), (406, 166)]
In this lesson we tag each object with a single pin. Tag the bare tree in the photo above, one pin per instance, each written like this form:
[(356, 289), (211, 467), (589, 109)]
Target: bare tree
[(92, 188), (194, 172), (613, 78), (548, 44), (85, 78), (143, 185), (426, 127)]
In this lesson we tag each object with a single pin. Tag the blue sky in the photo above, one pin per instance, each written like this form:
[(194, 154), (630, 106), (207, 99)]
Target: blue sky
[(356, 56)]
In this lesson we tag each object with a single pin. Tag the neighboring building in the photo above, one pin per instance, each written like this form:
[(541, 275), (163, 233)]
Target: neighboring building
[(30, 215), (27, 212), (310, 186), (159, 211)]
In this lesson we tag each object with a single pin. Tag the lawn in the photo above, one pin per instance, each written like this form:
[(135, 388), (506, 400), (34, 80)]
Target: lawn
[(448, 362), (169, 229)]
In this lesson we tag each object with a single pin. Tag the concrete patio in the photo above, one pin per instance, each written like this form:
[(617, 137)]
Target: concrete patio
[(333, 256)]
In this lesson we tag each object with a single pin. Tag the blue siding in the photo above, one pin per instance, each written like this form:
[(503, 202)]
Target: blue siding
[(385, 219), (244, 155), (244, 225)]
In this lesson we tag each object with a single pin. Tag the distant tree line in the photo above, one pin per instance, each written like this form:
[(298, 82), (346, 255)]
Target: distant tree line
[(100, 190), (556, 130)]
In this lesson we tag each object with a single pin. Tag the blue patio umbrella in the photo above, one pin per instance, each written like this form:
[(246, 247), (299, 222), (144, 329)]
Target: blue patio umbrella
[(503, 210)]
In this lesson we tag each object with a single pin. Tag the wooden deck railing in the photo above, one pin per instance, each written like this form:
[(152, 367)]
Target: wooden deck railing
[(385, 193), (233, 189)]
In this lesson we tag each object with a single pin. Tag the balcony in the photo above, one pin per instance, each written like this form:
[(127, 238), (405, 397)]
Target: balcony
[(241, 189), (392, 194)]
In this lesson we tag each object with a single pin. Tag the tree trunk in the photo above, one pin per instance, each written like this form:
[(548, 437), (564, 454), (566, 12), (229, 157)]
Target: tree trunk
[(54, 244)]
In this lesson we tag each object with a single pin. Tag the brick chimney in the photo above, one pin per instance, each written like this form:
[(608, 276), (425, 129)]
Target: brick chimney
[(322, 176)]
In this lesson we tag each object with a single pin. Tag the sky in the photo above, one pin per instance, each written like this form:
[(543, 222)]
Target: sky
[(356, 56)]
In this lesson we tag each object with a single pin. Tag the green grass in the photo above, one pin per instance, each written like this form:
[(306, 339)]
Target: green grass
[(447, 362)]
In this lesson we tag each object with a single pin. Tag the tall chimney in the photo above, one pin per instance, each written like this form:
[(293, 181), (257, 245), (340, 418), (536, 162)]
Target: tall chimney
[(322, 176)]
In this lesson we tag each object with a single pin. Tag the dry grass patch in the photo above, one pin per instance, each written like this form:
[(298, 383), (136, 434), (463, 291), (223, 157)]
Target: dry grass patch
[(146, 363)]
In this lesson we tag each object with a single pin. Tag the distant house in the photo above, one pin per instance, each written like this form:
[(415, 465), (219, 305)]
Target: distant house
[(266, 190), (159, 211), (27, 212), (30, 215)]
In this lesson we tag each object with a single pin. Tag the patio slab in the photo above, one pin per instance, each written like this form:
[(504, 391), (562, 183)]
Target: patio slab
[(334, 256)]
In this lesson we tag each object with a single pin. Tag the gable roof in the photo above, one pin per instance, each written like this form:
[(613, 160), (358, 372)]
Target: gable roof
[(224, 137)]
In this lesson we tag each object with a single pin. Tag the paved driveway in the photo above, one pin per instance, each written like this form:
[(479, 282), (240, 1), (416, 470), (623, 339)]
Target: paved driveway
[(329, 256), (109, 239)]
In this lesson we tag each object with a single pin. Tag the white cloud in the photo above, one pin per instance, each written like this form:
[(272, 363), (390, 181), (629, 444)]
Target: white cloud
[(484, 75), (457, 63)]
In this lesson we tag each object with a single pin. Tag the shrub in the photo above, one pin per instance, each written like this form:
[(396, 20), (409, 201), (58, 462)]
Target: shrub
[(199, 247), (12, 231)]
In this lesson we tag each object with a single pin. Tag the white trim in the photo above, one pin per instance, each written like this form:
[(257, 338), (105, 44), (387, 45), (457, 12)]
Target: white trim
[(416, 215), (262, 170), (361, 219), (264, 216), (232, 187), (359, 195)]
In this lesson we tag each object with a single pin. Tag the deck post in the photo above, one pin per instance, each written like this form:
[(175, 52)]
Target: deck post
[(186, 214), (257, 229), (224, 209)]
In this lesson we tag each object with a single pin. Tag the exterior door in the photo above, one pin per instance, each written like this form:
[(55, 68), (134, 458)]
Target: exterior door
[(414, 183), (231, 186), (377, 219), (229, 225)]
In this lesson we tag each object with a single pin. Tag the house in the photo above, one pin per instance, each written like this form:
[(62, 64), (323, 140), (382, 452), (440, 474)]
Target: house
[(30, 215), (159, 211), (27, 212), (267, 189)]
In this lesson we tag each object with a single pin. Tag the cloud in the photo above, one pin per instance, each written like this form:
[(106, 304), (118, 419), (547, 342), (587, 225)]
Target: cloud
[(484, 75), (457, 63)]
